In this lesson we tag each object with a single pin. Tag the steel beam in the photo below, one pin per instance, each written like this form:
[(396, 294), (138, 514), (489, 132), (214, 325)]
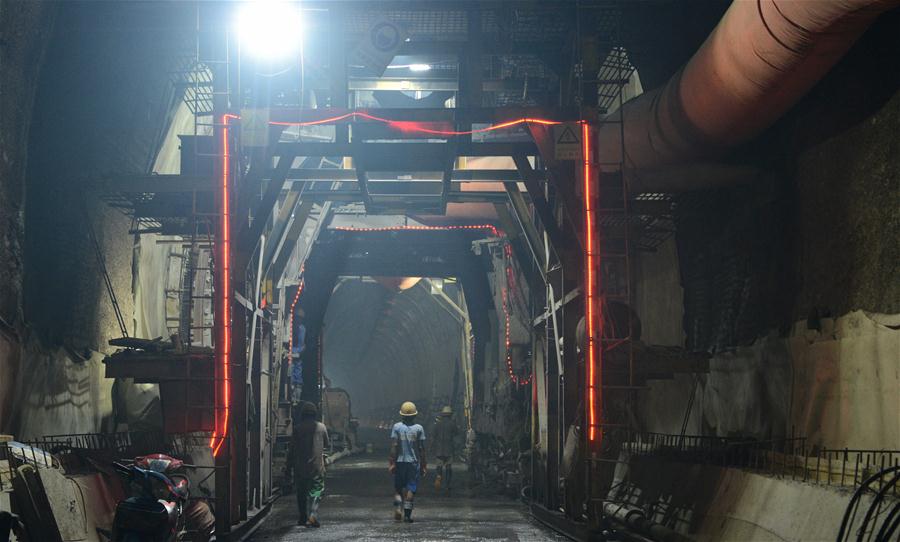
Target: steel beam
[(396, 83), (563, 175), (557, 305), (472, 114), (402, 150), (541, 205), (522, 249), (526, 226), (290, 239), (263, 210), (362, 182), (345, 195), (456, 175), (280, 227)]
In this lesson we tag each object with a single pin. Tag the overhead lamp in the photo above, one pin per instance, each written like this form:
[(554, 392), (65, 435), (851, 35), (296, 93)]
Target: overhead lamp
[(419, 67), (270, 29)]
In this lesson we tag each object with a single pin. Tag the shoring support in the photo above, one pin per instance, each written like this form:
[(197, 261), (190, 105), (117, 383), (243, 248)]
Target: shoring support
[(522, 249), (362, 180), (525, 225), (263, 209), (280, 227), (533, 185), (562, 174), (290, 240)]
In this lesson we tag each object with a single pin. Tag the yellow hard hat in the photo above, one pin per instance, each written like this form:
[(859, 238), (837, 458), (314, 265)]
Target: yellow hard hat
[(408, 409)]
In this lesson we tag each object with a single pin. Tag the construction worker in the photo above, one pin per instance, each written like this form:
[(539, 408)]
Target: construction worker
[(407, 460), (307, 459), (297, 348), (442, 446)]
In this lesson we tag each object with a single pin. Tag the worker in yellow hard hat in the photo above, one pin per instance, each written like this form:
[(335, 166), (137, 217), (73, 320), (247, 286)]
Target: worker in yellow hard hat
[(443, 440), (407, 460)]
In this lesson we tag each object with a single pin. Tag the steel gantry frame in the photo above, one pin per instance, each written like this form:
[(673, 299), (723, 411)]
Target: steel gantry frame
[(546, 206)]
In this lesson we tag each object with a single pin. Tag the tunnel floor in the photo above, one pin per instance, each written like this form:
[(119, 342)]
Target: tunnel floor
[(358, 506)]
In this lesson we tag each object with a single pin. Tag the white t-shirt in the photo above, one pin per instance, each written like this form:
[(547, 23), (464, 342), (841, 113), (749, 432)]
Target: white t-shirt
[(408, 436)]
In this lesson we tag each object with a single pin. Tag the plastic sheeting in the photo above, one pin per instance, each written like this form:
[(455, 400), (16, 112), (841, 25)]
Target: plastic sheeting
[(847, 382), (838, 386)]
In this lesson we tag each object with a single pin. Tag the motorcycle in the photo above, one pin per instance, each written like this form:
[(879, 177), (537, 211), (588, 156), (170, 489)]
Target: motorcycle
[(158, 506)]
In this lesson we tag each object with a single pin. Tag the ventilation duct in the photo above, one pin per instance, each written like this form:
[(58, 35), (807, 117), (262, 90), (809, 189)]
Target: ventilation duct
[(761, 58)]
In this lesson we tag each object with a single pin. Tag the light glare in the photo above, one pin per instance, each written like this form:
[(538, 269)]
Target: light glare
[(419, 67), (270, 29)]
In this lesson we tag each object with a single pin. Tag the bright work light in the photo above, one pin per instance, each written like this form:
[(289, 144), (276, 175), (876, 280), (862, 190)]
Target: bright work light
[(270, 29)]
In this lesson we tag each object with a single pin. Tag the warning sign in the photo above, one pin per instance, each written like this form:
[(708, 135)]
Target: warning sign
[(567, 141), (378, 46), (255, 127)]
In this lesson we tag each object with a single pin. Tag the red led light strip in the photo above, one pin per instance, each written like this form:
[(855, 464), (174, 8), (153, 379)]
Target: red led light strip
[(223, 265), (221, 429), (590, 278), (493, 229), (413, 126), (506, 294)]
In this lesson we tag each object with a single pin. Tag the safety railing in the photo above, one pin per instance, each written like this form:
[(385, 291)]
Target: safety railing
[(15, 454), (790, 457)]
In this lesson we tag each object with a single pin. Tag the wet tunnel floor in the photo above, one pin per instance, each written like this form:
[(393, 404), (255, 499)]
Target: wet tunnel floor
[(358, 506)]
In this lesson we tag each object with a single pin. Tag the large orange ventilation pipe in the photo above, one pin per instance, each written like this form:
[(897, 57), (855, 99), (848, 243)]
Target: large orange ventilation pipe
[(762, 57)]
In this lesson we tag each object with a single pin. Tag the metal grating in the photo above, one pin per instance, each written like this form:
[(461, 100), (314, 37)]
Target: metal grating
[(540, 25), (196, 81), (444, 25), (615, 72), (649, 229)]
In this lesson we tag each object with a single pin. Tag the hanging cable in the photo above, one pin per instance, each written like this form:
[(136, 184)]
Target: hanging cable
[(101, 263)]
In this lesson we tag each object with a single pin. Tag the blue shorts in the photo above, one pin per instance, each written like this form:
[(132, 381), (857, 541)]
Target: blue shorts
[(406, 477)]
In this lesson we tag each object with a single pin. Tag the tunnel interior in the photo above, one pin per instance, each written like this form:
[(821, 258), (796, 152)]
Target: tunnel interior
[(644, 254)]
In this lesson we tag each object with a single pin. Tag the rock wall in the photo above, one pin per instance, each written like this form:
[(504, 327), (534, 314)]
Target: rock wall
[(25, 29), (101, 102)]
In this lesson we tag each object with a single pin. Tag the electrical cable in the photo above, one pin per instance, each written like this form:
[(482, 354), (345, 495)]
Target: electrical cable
[(876, 502), (886, 529), (101, 263), (856, 497)]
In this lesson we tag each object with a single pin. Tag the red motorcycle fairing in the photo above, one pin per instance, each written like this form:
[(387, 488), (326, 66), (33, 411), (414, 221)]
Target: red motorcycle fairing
[(158, 462)]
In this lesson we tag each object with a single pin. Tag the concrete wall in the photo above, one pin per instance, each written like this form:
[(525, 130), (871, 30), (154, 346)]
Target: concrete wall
[(840, 388), (710, 503)]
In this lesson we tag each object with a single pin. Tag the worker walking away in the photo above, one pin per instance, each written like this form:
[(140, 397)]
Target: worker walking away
[(442, 447), (407, 460), (307, 459)]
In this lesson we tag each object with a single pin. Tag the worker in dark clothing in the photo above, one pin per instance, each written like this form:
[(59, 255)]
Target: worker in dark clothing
[(442, 447), (307, 459), (407, 460)]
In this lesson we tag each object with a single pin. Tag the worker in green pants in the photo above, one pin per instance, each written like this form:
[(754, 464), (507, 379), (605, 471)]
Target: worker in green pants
[(307, 459)]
